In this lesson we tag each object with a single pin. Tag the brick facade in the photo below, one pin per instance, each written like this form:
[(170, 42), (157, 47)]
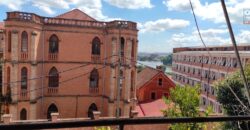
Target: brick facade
[(74, 35)]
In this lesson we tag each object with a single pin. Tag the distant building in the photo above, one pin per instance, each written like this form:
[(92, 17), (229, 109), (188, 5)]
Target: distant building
[(39, 49), (194, 65), (152, 84)]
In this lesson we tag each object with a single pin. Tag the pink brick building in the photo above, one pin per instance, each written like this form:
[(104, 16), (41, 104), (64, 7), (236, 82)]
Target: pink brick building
[(67, 64)]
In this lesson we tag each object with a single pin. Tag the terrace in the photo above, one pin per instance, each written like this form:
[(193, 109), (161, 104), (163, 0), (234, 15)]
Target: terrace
[(34, 18)]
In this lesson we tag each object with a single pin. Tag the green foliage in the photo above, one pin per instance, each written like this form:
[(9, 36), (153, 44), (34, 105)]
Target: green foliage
[(229, 102), (183, 102), (140, 68), (167, 60)]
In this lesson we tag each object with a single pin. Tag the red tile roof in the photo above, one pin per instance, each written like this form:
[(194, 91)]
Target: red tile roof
[(151, 109), (145, 75), (76, 14)]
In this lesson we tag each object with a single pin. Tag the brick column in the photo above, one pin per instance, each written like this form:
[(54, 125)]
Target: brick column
[(33, 74), (14, 73), (112, 88)]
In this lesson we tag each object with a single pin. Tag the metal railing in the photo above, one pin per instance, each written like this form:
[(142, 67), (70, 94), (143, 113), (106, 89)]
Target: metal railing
[(121, 122)]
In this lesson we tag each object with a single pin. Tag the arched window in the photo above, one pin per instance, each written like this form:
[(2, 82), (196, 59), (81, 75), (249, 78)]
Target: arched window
[(23, 114), (133, 48), (92, 108), (52, 109), (96, 46), (24, 42), (94, 78), (132, 81), (53, 44), (122, 46), (9, 41), (53, 77), (24, 75)]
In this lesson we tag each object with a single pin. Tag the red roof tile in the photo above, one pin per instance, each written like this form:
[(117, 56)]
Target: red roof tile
[(151, 109), (145, 75), (76, 14)]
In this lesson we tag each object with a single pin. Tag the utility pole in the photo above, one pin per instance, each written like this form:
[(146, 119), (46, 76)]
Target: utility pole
[(118, 72), (119, 78), (236, 49)]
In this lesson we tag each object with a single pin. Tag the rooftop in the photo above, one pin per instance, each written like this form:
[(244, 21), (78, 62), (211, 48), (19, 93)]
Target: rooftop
[(151, 109), (76, 14), (145, 75)]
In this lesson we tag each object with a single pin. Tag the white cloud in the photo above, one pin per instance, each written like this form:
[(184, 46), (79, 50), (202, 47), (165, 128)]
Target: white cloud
[(130, 4), (210, 37), (13, 4), (47, 5), (162, 25), (211, 11), (243, 36)]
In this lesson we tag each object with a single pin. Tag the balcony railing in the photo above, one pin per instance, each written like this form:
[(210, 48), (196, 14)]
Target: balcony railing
[(31, 17), (24, 55), (52, 90), (93, 90), (121, 122), (53, 56), (95, 58), (23, 94)]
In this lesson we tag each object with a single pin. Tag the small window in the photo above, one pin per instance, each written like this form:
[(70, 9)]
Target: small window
[(23, 114), (53, 77), (24, 42), (94, 78), (160, 82), (122, 46), (153, 95), (24, 78), (53, 44), (96, 46), (9, 41)]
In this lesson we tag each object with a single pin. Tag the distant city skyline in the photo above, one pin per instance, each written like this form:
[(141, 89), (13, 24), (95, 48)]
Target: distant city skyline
[(163, 24)]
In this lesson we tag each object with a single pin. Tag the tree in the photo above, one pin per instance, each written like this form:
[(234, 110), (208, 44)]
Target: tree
[(167, 60), (234, 106), (183, 102)]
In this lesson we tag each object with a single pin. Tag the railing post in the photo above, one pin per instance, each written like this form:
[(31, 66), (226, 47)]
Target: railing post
[(54, 117), (96, 115), (134, 114), (7, 118)]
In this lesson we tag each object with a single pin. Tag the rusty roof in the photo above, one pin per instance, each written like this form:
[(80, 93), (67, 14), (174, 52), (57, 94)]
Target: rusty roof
[(151, 109), (145, 75), (76, 14)]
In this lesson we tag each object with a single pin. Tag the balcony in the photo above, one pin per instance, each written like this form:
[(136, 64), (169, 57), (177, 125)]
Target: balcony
[(94, 90), (53, 56), (95, 59), (24, 55), (52, 90), (33, 18), (23, 94)]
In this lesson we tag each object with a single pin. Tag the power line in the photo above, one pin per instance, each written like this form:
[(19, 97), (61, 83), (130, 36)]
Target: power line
[(64, 81), (63, 71)]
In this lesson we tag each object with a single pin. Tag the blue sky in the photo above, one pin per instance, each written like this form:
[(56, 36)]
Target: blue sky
[(163, 24)]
